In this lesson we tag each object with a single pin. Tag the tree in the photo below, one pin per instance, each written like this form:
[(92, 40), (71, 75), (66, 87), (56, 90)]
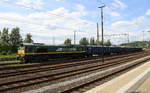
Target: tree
[(0, 43), (5, 46), (5, 37), (142, 44), (98, 42), (92, 41), (84, 41), (28, 38), (0, 35), (15, 39), (0, 38), (67, 41), (108, 43)]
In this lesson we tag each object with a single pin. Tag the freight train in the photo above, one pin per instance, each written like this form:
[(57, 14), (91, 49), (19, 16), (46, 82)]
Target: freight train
[(41, 52)]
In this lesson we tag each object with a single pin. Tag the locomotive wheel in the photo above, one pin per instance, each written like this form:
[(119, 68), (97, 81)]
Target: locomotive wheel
[(23, 60)]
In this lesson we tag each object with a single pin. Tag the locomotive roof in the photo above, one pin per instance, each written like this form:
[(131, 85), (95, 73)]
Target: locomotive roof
[(42, 44)]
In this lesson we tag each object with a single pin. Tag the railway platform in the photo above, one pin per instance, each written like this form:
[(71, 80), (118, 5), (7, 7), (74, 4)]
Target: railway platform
[(134, 81), (144, 87)]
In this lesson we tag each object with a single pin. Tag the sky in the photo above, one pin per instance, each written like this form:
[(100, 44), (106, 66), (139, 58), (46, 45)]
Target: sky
[(53, 21)]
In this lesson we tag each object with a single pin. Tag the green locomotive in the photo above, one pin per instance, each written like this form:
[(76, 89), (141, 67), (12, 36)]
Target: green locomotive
[(34, 51)]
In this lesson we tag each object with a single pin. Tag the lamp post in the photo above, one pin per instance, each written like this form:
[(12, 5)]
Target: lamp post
[(101, 7)]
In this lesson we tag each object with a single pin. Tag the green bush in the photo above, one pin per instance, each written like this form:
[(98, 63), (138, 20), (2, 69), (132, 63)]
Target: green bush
[(9, 52), (3, 53)]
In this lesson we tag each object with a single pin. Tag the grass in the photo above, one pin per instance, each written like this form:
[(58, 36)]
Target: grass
[(11, 65), (8, 56), (11, 61), (24, 64)]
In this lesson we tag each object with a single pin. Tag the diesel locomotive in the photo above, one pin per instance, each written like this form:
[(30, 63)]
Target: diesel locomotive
[(31, 52), (40, 52)]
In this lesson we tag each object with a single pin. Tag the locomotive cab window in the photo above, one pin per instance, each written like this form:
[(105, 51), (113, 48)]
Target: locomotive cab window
[(29, 49), (42, 50), (21, 48)]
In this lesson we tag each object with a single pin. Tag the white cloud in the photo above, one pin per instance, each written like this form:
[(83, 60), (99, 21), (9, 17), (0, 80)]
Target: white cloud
[(60, 0), (119, 4), (124, 24), (148, 12), (114, 9), (133, 27), (112, 13), (81, 9), (60, 23), (141, 19), (115, 14), (128, 25), (35, 4), (45, 25)]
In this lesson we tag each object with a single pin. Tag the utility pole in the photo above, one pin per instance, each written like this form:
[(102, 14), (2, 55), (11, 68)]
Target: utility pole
[(143, 35), (128, 38), (101, 7), (53, 40), (97, 33), (149, 34), (74, 37)]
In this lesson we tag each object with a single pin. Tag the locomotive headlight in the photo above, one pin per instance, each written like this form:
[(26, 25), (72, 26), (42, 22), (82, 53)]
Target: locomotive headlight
[(21, 52)]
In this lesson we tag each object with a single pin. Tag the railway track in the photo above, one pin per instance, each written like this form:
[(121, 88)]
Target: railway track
[(83, 87), (5, 65), (53, 74), (2, 64), (11, 61), (12, 72), (52, 61), (80, 82), (8, 59)]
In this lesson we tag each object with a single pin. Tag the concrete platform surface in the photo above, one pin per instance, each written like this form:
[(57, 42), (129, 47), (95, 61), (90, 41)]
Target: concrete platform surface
[(144, 87), (134, 81)]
